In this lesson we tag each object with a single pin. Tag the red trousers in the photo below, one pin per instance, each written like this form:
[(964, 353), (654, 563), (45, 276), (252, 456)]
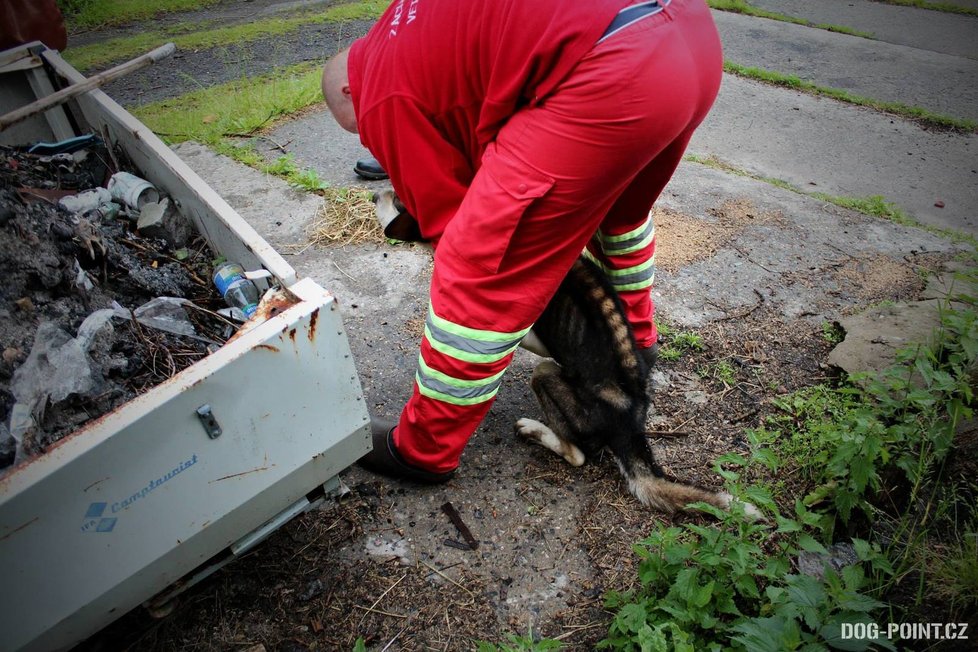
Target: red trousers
[(579, 170)]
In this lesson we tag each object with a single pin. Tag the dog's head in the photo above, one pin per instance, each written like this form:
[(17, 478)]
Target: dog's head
[(394, 219)]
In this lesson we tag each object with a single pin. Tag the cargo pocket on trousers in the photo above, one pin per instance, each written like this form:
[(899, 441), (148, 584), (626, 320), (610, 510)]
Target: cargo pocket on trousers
[(502, 191)]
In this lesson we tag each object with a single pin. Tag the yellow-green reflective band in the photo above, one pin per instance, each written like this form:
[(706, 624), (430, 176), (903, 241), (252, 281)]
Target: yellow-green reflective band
[(637, 232), (458, 387), (637, 277), (473, 333), (641, 269), (640, 244), (465, 356), (631, 287), (624, 243), (469, 344), (448, 398)]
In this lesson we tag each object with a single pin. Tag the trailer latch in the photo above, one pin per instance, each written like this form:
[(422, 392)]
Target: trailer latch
[(211, 425)]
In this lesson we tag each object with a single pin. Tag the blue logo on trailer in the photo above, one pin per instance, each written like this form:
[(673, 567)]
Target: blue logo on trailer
[(95, 522)]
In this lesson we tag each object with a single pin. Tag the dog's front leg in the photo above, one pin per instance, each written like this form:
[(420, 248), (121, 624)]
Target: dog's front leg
[(533, 344), (556, 399)]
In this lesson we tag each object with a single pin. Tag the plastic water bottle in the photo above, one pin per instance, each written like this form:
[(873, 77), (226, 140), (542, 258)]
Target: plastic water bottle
[(238, 291)]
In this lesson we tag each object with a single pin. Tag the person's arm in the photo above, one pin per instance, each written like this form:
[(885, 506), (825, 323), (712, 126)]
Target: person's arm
[(429, 174)]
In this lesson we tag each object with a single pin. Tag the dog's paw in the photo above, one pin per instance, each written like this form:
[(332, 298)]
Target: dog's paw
[(533, 430), (529, 428)]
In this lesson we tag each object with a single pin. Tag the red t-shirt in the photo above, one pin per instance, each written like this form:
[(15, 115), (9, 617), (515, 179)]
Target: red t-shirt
[(435, 80)]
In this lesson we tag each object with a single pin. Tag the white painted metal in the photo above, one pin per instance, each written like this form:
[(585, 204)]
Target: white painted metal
[(18, 91), (143, 497), (57, 120)]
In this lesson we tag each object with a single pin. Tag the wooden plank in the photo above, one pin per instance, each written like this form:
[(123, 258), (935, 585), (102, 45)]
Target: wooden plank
[(55, 116)]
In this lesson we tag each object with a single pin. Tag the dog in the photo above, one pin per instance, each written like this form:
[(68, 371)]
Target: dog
[(593, 389), (593, 392)]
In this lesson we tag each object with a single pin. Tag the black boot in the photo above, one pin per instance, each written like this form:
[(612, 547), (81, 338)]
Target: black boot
[(370, 169), (385, 460)]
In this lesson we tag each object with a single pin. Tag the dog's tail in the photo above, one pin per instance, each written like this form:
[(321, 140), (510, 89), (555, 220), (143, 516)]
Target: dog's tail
[(653, 489)]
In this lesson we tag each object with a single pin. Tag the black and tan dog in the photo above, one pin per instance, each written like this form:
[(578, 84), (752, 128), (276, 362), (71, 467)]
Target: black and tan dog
[(594, 391)]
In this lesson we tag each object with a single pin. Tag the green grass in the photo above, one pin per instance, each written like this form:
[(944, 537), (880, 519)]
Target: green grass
[(191, 37), (722, 371), (236, 108), (520, 644), (875, 205), (809, 415), (676, 343), (743, 7), (947, 7), (220, 116), (917, 114), (93, 14), (956, 570)]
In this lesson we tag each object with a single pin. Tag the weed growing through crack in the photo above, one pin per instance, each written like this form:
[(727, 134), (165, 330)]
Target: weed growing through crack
[(744, 7), (676, 343), (875, 205), (680, 343), (722, 371), (947, 7), (915, 113), (286, 168), (832, 332)]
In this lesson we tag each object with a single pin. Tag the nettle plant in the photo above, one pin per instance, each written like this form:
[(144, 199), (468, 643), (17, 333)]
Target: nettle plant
[(731, 585)]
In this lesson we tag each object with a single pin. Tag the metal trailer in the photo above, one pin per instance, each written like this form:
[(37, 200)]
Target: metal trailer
[(158, 494)]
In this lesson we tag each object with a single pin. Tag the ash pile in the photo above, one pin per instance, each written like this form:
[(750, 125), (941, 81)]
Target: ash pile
[(105, 291)]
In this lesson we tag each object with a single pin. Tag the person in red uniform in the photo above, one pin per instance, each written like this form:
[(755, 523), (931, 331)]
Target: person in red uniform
[(519, 134)]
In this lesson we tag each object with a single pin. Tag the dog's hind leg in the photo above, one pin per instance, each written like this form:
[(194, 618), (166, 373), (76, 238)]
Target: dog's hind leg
[(558, 404)]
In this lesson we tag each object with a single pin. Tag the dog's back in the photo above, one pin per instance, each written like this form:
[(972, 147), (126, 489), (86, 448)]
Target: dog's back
[(596, 394)]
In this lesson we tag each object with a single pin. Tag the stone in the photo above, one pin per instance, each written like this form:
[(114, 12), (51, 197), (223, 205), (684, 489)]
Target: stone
[(874, 336), (159, 220)]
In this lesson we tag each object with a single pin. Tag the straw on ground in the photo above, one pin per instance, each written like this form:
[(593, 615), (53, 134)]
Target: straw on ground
[(346, 217)]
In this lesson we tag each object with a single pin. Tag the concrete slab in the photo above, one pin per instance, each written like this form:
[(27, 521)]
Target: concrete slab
[(383, 292), (937, 31), (280, 213), (815, 144), (941, 83), (317, 142), (818, 144), (804, 260), (874, 337), (788, 261)]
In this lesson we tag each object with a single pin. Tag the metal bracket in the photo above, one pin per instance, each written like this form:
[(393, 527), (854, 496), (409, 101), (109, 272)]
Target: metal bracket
[(211, 425)]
